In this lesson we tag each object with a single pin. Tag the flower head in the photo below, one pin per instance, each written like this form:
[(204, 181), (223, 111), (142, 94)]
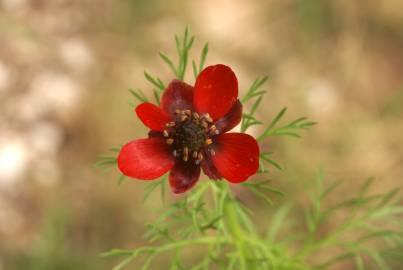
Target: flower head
[(188, 133)]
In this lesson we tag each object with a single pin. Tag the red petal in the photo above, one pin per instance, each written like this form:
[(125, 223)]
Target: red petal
[(178, 95), (183, 176), (152, 116), (145, 158), (208, 167), (237, 156), (231, 119), (216, 91)]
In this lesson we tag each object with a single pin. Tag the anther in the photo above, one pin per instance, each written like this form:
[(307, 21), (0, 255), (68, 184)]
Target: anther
[(188, 112), (213, 128), (183, 118), (209, 141), (204, 124), (165, 133), (196, 115), (212, 152), (170, 124), (200, 156), (170, 141), (195, 154), (208, 118), (175, 153), (177, 111), (217, 132)]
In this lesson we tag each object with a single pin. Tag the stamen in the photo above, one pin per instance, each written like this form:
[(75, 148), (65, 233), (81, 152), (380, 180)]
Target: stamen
[(204, 124), (170, 141), (185, 153), (212, 152), (216, 132), (184, 118), (208, 118), (189, 134)]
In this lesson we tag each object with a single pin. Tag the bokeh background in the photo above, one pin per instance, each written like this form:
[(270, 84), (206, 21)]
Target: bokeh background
[(65, 67)]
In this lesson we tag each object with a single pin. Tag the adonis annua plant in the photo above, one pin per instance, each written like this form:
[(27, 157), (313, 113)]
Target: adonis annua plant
[(208, 226)]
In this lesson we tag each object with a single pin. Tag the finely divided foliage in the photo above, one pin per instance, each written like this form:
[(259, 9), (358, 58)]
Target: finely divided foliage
[(214, 223)]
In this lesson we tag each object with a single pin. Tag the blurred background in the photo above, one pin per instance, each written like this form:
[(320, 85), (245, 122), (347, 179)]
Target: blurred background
[(65, 67)]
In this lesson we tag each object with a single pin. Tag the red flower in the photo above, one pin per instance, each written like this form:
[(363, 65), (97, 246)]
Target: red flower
[(188, 131)]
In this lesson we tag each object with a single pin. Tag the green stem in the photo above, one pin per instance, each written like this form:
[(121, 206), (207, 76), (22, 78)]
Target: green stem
[(234, 227)]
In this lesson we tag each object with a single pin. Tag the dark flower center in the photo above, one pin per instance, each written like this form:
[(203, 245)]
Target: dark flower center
[(189, 134)]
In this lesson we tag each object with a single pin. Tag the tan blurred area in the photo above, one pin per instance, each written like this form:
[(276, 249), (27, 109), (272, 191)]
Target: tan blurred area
[(65, 67)]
